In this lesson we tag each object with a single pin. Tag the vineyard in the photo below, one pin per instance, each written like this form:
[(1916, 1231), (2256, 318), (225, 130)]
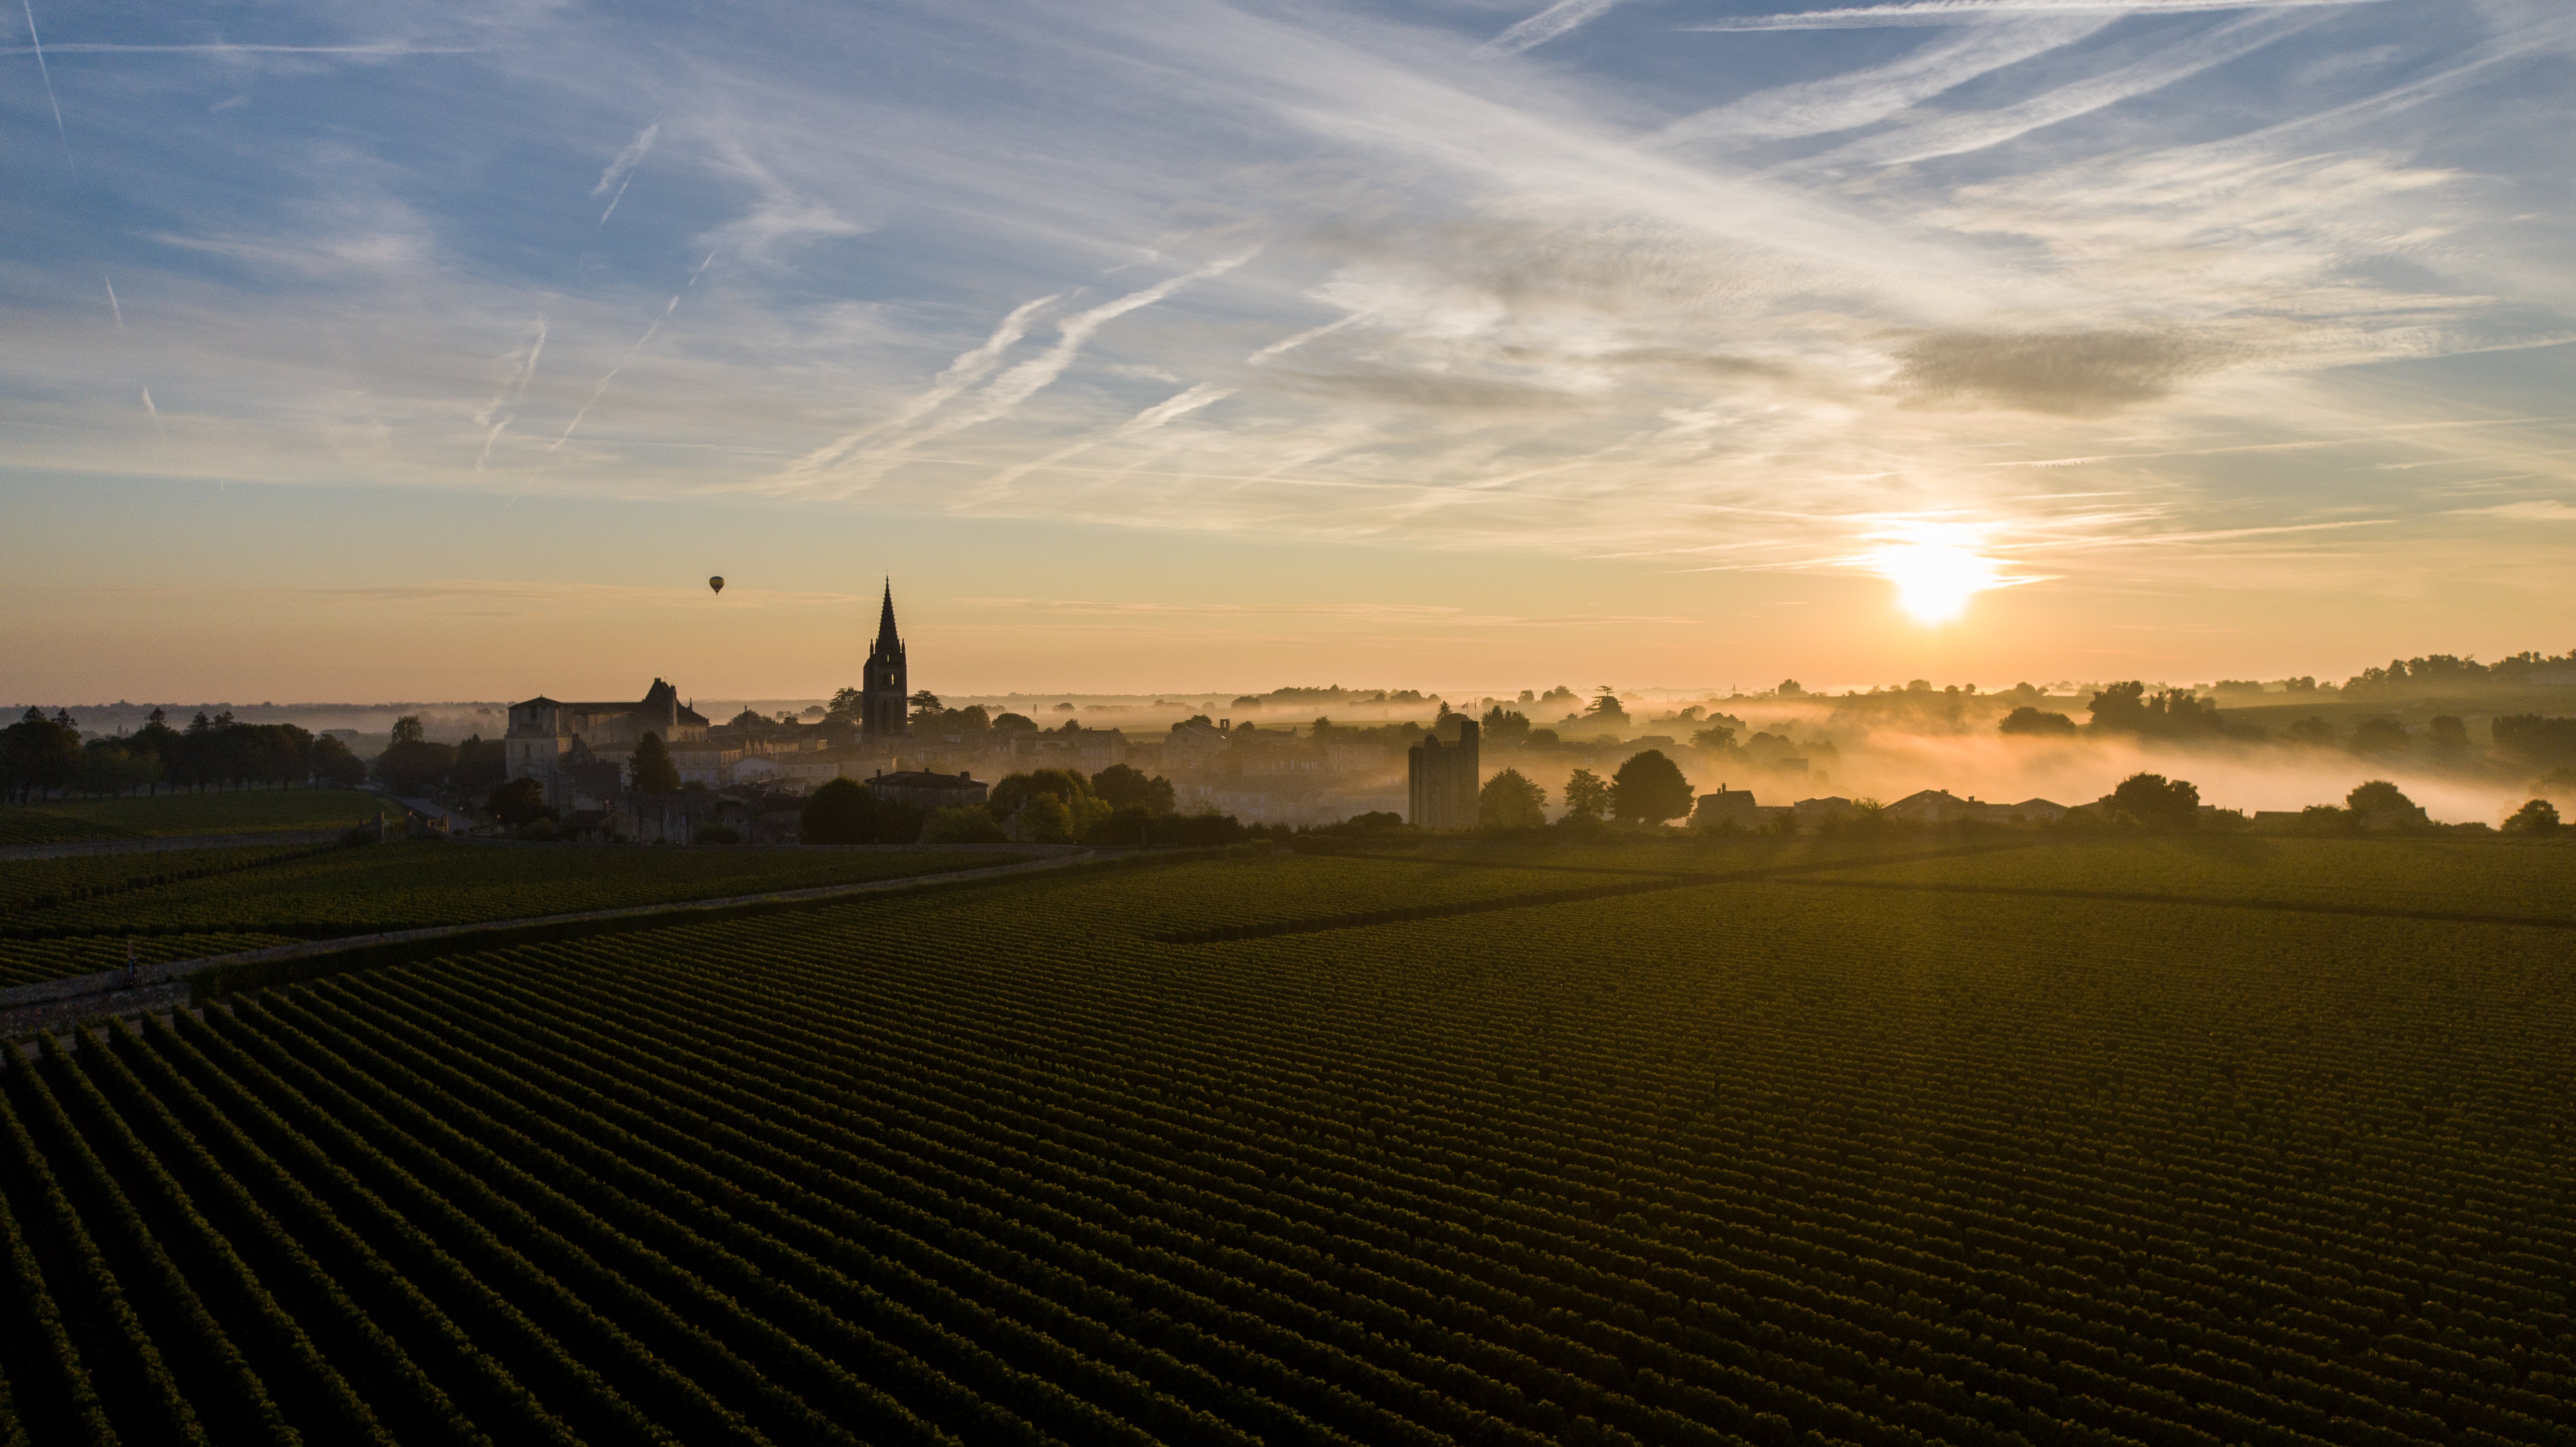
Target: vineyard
[(247, 811), (2467, 876), (1750, 1161), (70, 916)]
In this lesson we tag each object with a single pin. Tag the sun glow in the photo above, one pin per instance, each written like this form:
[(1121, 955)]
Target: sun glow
[(1936, 571)]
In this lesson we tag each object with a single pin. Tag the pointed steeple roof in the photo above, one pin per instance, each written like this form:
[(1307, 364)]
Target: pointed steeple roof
[(887, 640)]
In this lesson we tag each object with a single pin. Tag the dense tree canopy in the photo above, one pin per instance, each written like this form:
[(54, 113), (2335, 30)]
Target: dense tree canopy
[(1510, 800), (1130, 788), (2028, 722), (2155, 802), (844, 812), (1649, 788)]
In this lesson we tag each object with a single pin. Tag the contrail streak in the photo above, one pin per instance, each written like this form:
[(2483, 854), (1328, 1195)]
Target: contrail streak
[(156, 414), (112, 306), (1948, 12), (1302, 338), (968, 368), (220, 47), (667, 308), (1545, 26), (513, 388), (36, 43), (621, 170)]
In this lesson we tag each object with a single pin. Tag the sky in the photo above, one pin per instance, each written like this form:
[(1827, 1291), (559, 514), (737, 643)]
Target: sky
[(367, 351)]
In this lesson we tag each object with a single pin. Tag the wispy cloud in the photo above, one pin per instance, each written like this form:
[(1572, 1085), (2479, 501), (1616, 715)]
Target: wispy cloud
[(218, 47), (620, 172), (965, 370), (1950, 135), (1546, 25), (1954, 12)]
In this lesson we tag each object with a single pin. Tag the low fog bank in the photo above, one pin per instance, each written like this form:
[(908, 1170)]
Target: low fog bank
[(1888, 764)]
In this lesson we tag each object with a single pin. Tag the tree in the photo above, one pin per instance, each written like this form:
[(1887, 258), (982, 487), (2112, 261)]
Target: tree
[(2378, 796), (1504, 726), (2378, 736), (2538, 816), (1717, 739), (840, 812), (1014, 723), (2153, 801), (2527, 738), (1128, 788), (158, 739), (2028, 722), (1007, 796), (410, 766), (2447, 731), (108, 766), (651, 770), (407, 729), (1044, 819), (2311, 732), (39, 754), (519, 802), (332, 763), (1510, 800), (1650, 788), (961, 824), (843, 812), (1586, 796), (848, 706), (1606, 711), (481, 764), (924, 701)]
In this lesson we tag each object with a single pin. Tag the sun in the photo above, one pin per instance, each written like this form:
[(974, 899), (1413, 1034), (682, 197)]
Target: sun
[(1934, 576)]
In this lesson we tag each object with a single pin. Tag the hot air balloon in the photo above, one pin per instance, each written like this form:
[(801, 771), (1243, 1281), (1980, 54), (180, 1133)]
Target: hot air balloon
[(716, 583)]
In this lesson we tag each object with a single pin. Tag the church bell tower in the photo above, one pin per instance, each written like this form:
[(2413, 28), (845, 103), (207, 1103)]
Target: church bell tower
[(885, 689)]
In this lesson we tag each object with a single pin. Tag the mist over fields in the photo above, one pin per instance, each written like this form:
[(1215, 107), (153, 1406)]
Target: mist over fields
[(2431, 727)]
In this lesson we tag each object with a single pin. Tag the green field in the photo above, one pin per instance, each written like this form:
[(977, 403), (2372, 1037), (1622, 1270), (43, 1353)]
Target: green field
[(253, 897), (1754, 1161), (245, 811)]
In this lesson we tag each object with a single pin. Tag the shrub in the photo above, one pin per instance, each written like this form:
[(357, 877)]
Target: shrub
[(962, 824)]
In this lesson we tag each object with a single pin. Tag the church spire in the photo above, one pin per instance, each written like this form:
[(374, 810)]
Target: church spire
[(887, 641)]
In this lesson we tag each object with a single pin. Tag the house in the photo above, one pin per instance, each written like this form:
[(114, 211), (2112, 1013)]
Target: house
[(1812, 814), (924, 789), (1940, 806), (1726, 808), (1085, 750)]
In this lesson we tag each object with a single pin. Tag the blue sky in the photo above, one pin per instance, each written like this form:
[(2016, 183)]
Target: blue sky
[(1196, 344)]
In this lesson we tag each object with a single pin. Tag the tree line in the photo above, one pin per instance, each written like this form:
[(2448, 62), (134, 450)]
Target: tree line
[(42, 757)]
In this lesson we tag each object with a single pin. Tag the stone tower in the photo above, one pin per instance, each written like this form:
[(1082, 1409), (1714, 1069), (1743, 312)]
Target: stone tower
[(885, 688), (1440, 783)]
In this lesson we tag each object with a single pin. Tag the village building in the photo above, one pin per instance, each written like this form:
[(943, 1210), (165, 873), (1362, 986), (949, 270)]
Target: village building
[(1441, 781), (549, 740), (927, 790)]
